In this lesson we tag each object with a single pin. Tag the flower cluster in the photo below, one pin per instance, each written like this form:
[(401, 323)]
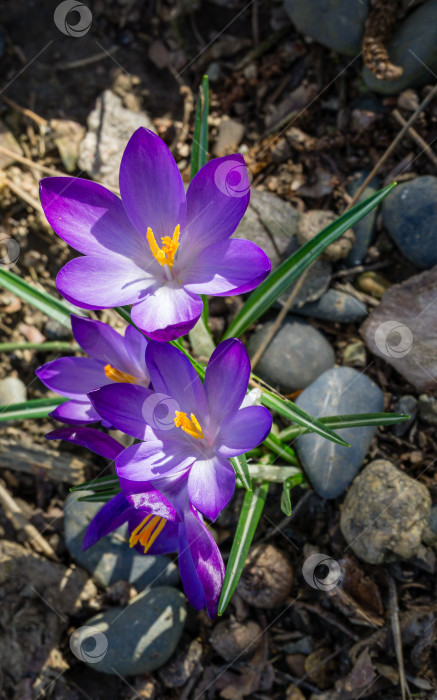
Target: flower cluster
[(158, 249)]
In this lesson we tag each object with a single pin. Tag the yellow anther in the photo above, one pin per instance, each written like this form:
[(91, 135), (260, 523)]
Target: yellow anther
[(117, 376), (147, 531), (191, 427), (164, 255)]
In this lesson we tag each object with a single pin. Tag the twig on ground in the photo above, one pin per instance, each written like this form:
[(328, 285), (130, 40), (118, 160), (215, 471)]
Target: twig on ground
[(432, 93), (416, 137), (282, 314), (20, 522), (396, 629)]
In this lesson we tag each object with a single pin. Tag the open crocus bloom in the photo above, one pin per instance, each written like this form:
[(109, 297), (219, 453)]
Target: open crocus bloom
[(159, 522), (112, 358), (155, 248), (187, 427)]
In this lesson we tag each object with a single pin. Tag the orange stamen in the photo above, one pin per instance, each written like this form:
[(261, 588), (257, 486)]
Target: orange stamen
[(191, 427), (166, 254), (147, 531), (117, 376)]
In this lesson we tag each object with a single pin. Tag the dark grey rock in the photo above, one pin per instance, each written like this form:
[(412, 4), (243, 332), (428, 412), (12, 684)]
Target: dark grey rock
[(111, 559), (407, 404), (364, 228), (402, 329), (429, 535), (136, 639), (410, 216), (341, 390), (385, 514), (304, 645), (334, 306), (337, 24), (12, 390), (316, 281), (297, 354), (413, 47)]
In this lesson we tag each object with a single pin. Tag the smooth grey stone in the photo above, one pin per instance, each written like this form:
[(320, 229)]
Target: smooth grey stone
[(364, 228), (271, 223), (402, 329), (385, 514), (337, 24), (407, 404), (12, 390), (136, 639), (410, 216), (111, 559), (304, 645), (413, 47), (296, 356), (334, 306), (428, 409), (316, 281), (341, 390)]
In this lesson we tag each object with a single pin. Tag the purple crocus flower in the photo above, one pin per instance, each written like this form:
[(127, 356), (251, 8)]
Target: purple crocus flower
[(159, 522), (187, 427), (112, 358), (155, 248)]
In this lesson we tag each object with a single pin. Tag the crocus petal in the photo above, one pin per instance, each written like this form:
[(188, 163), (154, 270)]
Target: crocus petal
[(96, 441), (72, 377), (113, 514), (122, 406), (167, 312), (151, 460), (76, 413), (227, 267), (226, 379), (167, 540), (190, 580), (242, 431), (173, 374), (102, 282), (152, 502), (88, 217), (136, 344), (211, 484), (216, 201), (151, 185), (207, 561)]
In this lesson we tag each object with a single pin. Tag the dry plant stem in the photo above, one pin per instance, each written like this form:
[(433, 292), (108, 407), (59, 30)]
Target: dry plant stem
[(417, 137), (19, 521), (26, 112), (80, 63), (396, 630), (282, 314), (393, 145), (43, 168)]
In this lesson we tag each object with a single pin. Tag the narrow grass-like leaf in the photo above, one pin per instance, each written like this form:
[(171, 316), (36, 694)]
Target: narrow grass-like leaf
[(278, 281), (356, 420), (35, 408), (45, 302), (279, 448), (98, 497), (251, 510), (289, 410), (102, 482), (50, 346), (242, 471), (196, 137), (289, 484), (275, 474)]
